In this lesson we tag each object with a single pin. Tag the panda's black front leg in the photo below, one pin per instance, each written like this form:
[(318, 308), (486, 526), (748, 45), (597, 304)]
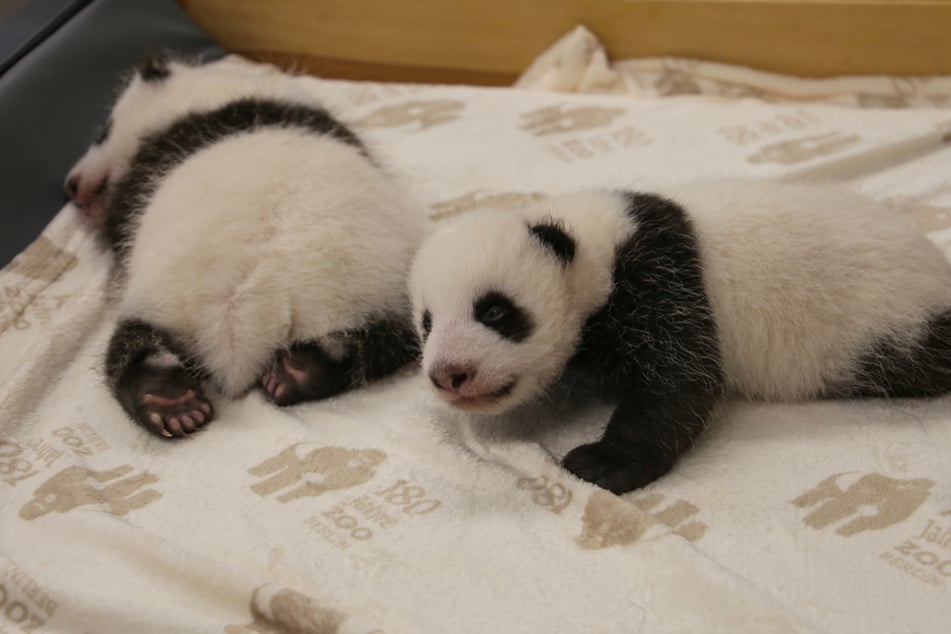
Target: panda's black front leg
[(646, 435)]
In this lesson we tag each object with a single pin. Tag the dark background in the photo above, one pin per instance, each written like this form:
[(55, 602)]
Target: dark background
[(60, 63)]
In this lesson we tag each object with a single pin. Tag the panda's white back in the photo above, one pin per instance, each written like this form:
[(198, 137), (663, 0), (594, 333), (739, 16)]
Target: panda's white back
[(804, 280), (243, 248)]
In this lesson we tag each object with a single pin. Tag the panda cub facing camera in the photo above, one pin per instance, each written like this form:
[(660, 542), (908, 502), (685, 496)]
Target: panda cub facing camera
[(759, 290), (256, 242)]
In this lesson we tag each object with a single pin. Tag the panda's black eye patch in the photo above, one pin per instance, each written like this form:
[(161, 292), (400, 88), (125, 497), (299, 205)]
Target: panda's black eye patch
[(427, 324), (500, 314), (104, 133)]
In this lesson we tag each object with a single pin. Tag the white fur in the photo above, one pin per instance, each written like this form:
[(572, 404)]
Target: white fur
[(260, 239), (145, 107), (802, 281), (493, 251), (268, 238)]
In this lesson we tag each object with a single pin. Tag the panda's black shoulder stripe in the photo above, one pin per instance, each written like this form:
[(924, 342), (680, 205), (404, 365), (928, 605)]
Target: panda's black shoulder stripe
[(657, 320), (662, 222), (166, 149)]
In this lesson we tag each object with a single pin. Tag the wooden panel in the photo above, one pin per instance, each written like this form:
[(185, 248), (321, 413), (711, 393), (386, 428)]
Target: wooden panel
[(491, 41)]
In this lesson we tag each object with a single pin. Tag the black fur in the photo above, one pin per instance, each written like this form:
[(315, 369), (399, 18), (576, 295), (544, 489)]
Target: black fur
[(164, 150), (499, 313), (131, 377), (922, 370), (653, 346), (374, 352), (381, 348), (554, 237), (427, 324), (154, 68)]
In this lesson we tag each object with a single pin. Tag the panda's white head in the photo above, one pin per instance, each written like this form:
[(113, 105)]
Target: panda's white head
[(157, 93), (500, 298)]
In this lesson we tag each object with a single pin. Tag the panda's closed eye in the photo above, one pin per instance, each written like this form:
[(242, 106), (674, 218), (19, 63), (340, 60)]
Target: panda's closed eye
[(104, 132), (500, 314)]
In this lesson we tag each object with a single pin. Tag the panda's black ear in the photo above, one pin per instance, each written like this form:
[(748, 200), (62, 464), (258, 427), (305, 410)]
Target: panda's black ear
[(154, 67), (554, 237)]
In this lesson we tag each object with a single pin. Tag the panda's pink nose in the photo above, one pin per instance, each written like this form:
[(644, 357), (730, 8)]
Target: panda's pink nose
[(72, 186), (84, 192), (451, 378)]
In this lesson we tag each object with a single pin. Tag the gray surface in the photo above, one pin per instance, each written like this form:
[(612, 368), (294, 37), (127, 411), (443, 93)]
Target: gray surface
[(26, 23), (53, 100)]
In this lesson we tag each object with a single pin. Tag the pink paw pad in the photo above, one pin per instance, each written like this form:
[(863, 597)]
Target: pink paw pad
[(176, 416), (283, 379)]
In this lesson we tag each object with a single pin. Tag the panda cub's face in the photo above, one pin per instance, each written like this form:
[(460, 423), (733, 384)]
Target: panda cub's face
[(158, 92), (492, 304)]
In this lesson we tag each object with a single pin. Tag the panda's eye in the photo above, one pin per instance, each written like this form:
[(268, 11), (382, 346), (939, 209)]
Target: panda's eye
[(104, 132), (500, 314), (493, 314)]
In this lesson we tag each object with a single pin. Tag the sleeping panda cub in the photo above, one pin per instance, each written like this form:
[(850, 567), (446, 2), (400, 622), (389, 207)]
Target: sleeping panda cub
[(255, 239), (760, 290)]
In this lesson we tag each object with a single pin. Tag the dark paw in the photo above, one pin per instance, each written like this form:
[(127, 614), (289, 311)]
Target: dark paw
[(593, 464), (170, 404), (284, 381), (303, 373)]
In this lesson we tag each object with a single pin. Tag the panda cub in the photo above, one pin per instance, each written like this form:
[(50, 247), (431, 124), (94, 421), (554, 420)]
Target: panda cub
[(760, 290), (255, 240)]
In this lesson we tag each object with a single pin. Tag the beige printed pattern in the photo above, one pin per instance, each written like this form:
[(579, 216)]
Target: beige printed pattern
[(365, 93), (42, 260), (546, 493), (579, 63), (893, 501), (424, 114), (278, 610), (20, 590), (804, 149), (611, 521), (930, 217), (22, 307), (558, 119), (927, 216), (300, 472), (479, 198), (673, 83), (78, 486)]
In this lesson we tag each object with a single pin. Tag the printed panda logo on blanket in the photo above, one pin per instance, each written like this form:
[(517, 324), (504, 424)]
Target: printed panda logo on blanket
[(612, 521), (78, 486), (302, 470), (804, 149), (426, 114), (557, 119), (893, 501)]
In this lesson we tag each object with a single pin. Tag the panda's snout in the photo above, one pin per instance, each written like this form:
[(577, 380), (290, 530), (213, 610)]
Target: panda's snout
[(452, 378), (72, 187), (87, 193), (84, 192)]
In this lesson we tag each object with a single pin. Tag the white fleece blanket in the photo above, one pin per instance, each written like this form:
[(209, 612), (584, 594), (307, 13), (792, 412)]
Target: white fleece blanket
[(378, 511)]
